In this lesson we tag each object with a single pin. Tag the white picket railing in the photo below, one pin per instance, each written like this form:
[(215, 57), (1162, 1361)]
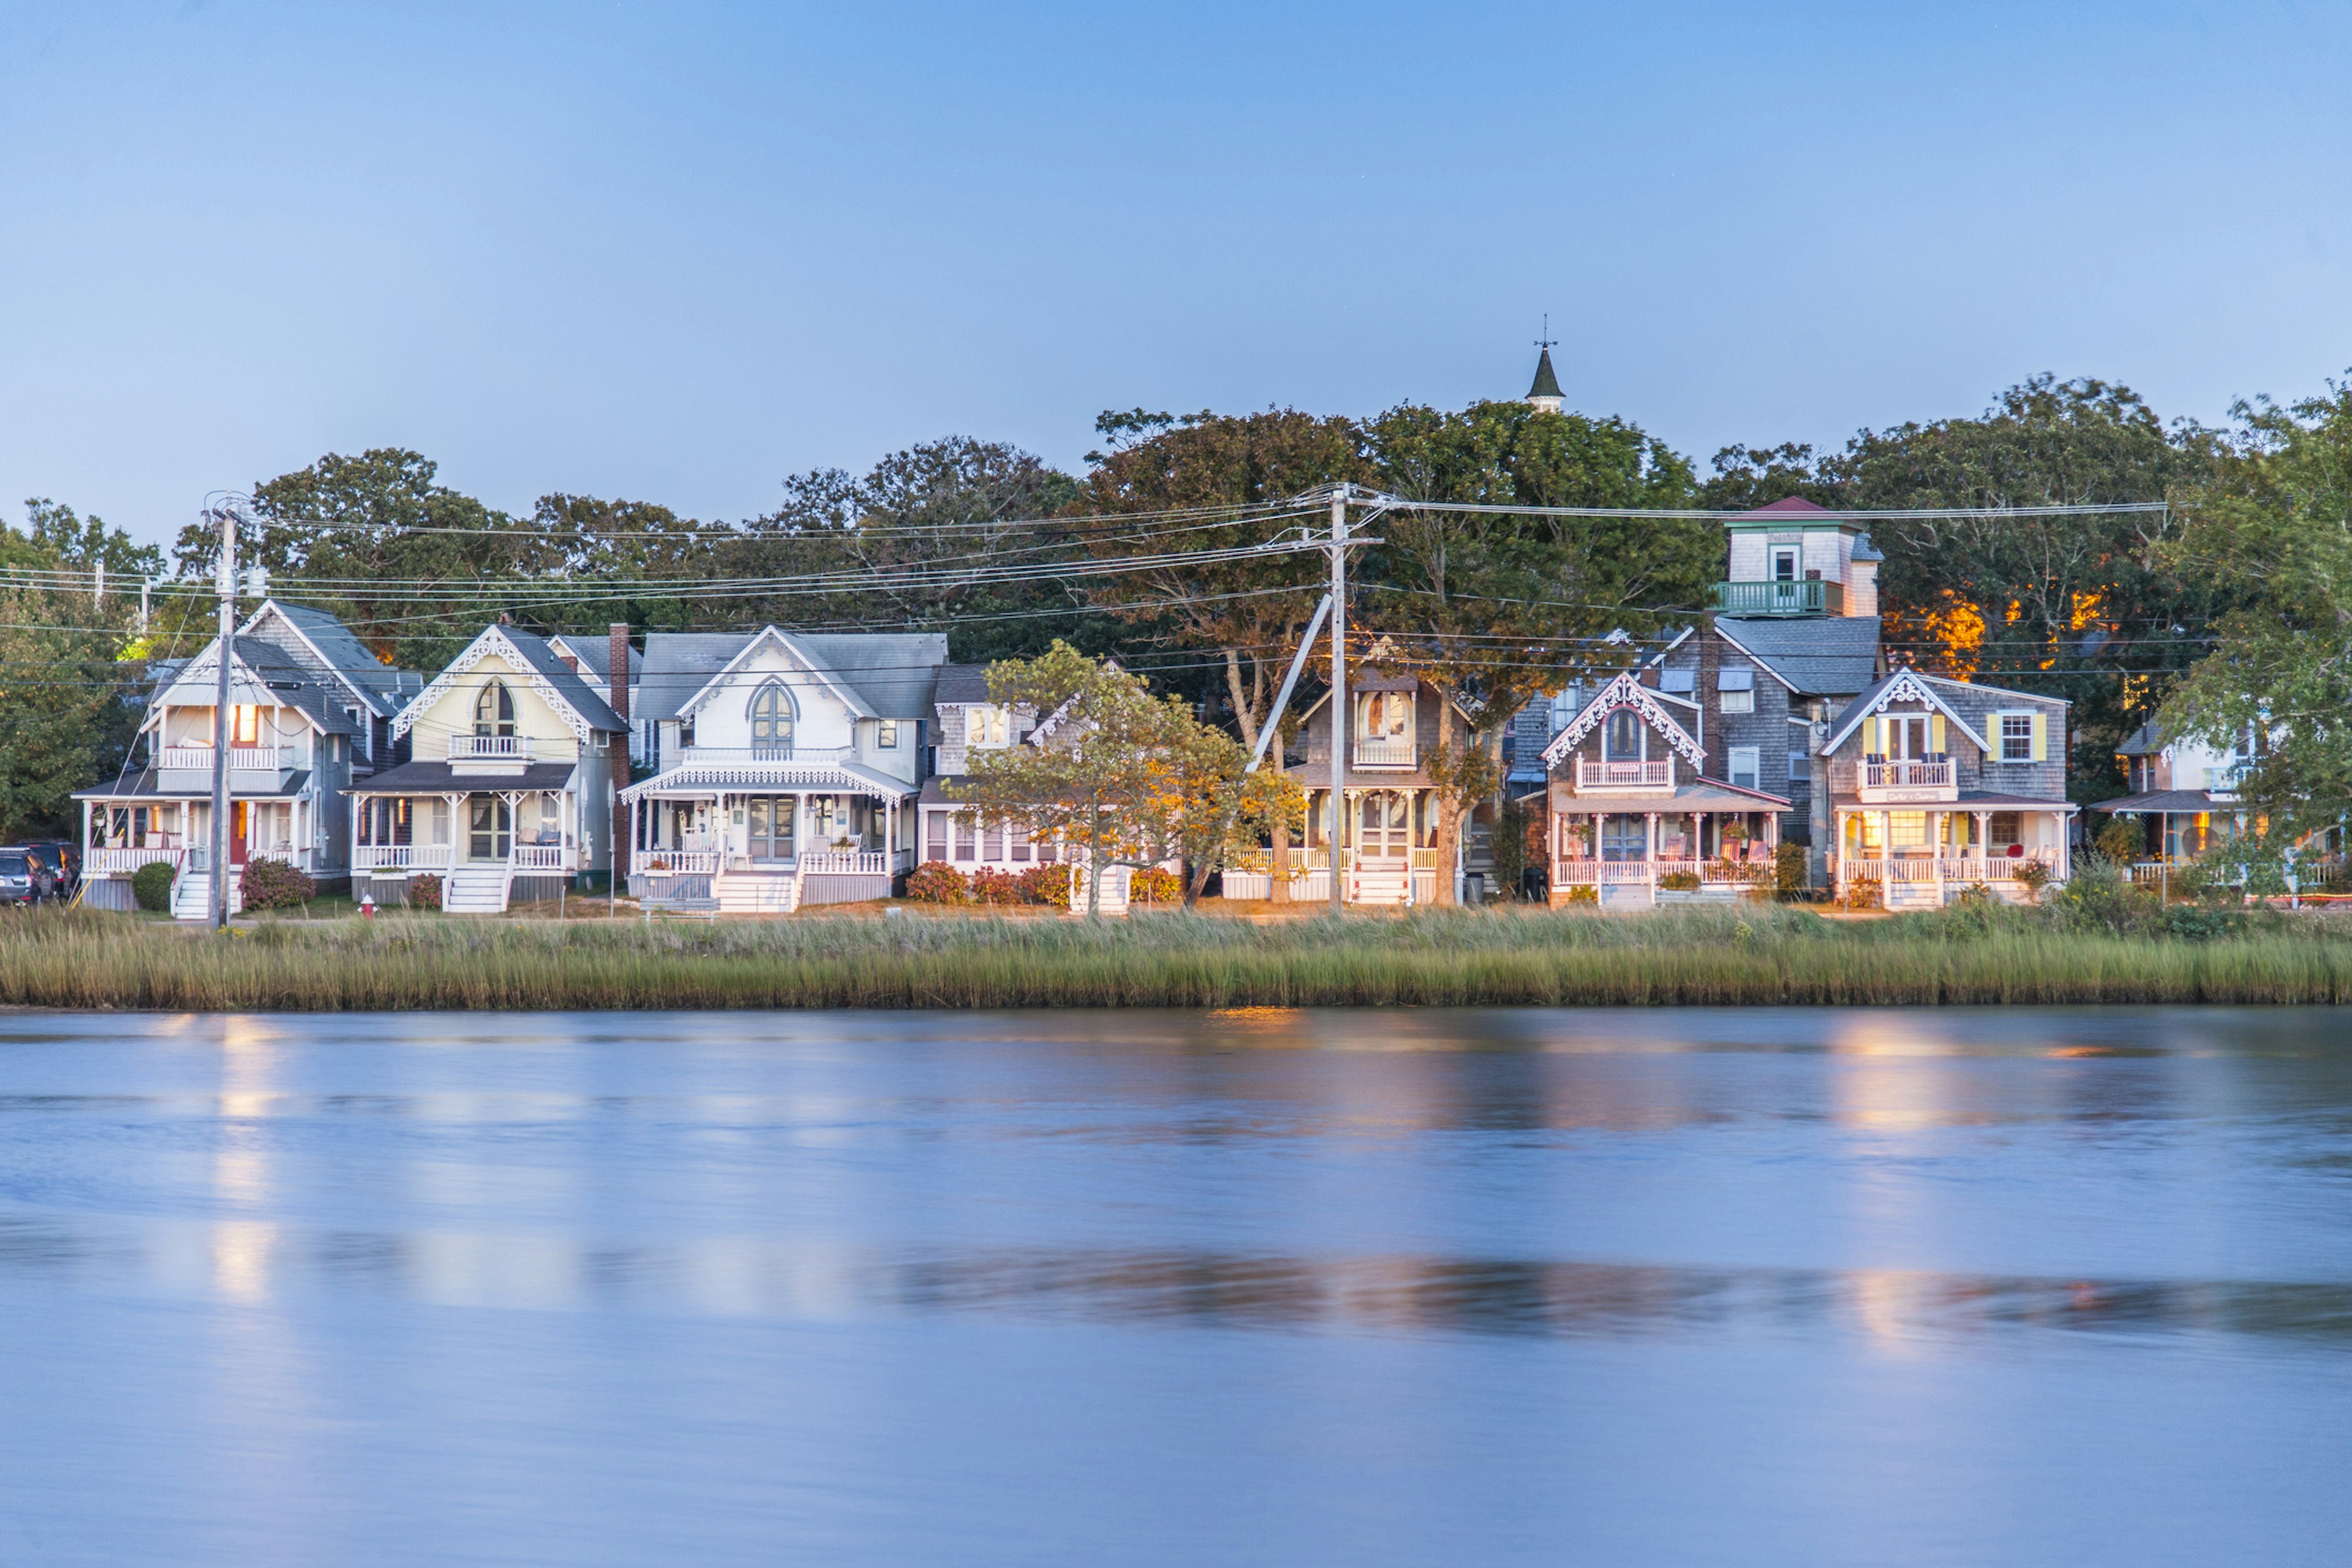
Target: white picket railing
[(101, 861), (744, 755), (1624, 776), (673, 862), (1386, 751), (1905, 775), (1925, 869), (845, 862), (258, 759), (490, 748), (1718, 873)]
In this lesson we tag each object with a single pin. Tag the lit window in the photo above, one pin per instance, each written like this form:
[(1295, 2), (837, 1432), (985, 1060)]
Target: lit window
[(988, 726), (1908, 830)]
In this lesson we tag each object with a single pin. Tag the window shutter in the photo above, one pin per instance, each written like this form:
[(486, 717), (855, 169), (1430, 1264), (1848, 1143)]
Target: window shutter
[(1936, 732), (1992, 737), (1874, 736), (2041, 737)]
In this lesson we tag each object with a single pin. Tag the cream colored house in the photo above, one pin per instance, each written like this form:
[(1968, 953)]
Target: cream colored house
[(508, 794)]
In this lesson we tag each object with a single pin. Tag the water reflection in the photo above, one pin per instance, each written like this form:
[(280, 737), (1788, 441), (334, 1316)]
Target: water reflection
[(1419, 1294)]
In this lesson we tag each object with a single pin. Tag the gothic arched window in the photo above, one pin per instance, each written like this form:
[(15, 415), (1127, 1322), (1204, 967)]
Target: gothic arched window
[(494, 710), (771, 717), (1622, 738)]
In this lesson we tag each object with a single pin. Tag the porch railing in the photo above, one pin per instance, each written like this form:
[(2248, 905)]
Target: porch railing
[(103, 861), (1716, 873), (1905, 775), (1386, 751), (845, 862), (1812, 597), (253, 759), (1624, 776), (490, 748), (1927, 867), (673, 862), (399, 857), (541, 857)]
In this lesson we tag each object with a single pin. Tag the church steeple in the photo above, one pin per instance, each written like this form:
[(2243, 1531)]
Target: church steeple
[(1544, 396)]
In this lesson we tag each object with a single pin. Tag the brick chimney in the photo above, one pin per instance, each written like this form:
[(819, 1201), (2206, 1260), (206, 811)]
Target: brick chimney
[(617, 671)]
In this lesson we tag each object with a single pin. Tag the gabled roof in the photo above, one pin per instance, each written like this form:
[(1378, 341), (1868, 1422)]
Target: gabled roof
[(769, 637), (2147, 740), (1790, 511), (892, 673), (257, 667), (1903, 686), (578, 703), (596, 653), (336, 649), (1833, 656), (1380, 683), (960, 684), (1624, 691)]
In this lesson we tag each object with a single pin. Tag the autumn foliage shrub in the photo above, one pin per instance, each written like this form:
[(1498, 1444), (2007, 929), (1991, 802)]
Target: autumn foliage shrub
[(936, 882), (276, 885), (1155, 885), (991, 884), (1045, 885)]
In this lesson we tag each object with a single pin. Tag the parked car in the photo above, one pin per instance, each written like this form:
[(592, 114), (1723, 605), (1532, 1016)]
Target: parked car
[(25, 878), (63, 859)]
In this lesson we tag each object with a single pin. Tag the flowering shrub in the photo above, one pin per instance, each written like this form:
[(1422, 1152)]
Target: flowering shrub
[(276, 885), (992, 886), (936, 883), (425, 892), (1155, 885), (1045, 885)]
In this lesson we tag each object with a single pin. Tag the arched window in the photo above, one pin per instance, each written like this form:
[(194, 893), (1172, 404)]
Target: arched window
[(1624, 736), (494, 710), (771, 718)]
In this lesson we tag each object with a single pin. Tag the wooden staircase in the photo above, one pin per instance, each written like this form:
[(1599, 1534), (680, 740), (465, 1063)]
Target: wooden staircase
[(191, 895), (757, 892), (1379, 881), (476, 889)]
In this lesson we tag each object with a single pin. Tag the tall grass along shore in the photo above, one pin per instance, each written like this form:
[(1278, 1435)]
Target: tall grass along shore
[(1754, 955)]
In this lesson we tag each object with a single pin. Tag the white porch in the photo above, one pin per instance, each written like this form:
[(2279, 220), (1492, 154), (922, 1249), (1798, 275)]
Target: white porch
[(1924, 856)]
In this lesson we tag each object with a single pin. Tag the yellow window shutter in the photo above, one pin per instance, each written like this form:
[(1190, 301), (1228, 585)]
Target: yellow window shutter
[(1992, 737), (1874, 736), (2041, 737), (1936, 732)]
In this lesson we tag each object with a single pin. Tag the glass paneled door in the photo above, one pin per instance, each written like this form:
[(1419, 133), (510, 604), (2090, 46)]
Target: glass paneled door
[(493, 829), (1385, 825), (768, 822)]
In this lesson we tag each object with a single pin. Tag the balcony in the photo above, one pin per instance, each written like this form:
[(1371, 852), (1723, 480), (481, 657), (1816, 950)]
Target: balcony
[(489, 749), (1592, 775), (1906, 782), (1372, 753), (241, 758), (751, 756), (1810, 597)]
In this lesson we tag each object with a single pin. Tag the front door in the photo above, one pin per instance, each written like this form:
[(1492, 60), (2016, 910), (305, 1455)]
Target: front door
[(768, 823), (492, 835), (240, 822), (1385, 825)]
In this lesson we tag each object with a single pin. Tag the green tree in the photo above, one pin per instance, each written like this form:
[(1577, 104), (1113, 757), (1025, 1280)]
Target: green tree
[(2276, 517), (71, 682)]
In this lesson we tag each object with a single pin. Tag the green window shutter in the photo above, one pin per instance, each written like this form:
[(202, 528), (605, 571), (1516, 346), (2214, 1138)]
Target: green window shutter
[(2040, 737)]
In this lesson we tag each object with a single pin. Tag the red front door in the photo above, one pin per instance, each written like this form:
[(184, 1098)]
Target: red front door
[(237, 817)]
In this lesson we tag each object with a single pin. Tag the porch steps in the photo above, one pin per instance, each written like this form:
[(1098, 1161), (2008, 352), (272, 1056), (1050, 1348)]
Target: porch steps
[(1379, 881), (191, 895), (1114, 891), (476, 890), (757, 892), (1910, 895)]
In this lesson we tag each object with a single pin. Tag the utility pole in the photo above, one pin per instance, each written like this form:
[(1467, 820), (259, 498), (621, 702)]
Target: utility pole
[(1341, 726), (226, 578)]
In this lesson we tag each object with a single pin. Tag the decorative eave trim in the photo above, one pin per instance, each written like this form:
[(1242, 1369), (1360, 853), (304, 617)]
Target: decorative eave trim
[(475, 651), (703, 777), (1903, 686), (240, 674), (1624, 691), (2004, 691), (733, 667)]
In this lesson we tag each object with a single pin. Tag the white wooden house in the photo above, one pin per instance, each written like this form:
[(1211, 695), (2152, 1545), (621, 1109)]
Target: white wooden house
[(309, 708), (788, 766), (2184, 796), (508, 791)]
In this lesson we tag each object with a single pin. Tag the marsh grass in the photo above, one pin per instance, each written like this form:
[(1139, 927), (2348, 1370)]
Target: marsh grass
[(1755, 954)]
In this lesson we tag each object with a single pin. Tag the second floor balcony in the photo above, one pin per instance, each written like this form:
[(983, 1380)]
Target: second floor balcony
[(241, 758), (490, 748), (1399, 752), (753, 755), (1606, 775), (1810, 596), (1907, 779)]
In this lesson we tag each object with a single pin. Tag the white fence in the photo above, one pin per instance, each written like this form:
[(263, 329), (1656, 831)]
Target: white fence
[(1624, 776)]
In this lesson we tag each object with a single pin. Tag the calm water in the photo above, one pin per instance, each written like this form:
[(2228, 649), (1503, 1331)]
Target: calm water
[(1759, 1287)]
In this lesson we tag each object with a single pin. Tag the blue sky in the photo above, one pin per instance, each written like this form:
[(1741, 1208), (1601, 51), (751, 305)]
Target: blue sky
[(676, 252)]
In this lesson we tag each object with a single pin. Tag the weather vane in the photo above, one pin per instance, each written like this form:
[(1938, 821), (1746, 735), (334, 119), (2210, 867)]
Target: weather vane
[(1546, 340)]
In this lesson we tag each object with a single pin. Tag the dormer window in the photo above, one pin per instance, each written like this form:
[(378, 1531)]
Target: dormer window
[(771, 718), (987, 726), (1736, 690), (493, 713), (1621, 738)]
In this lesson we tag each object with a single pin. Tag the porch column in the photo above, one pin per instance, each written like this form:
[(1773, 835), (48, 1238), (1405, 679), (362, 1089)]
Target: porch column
[(800, 830), (1984, 846), (460, 828), (358, 802), (1943, 825), (1650, 851)]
